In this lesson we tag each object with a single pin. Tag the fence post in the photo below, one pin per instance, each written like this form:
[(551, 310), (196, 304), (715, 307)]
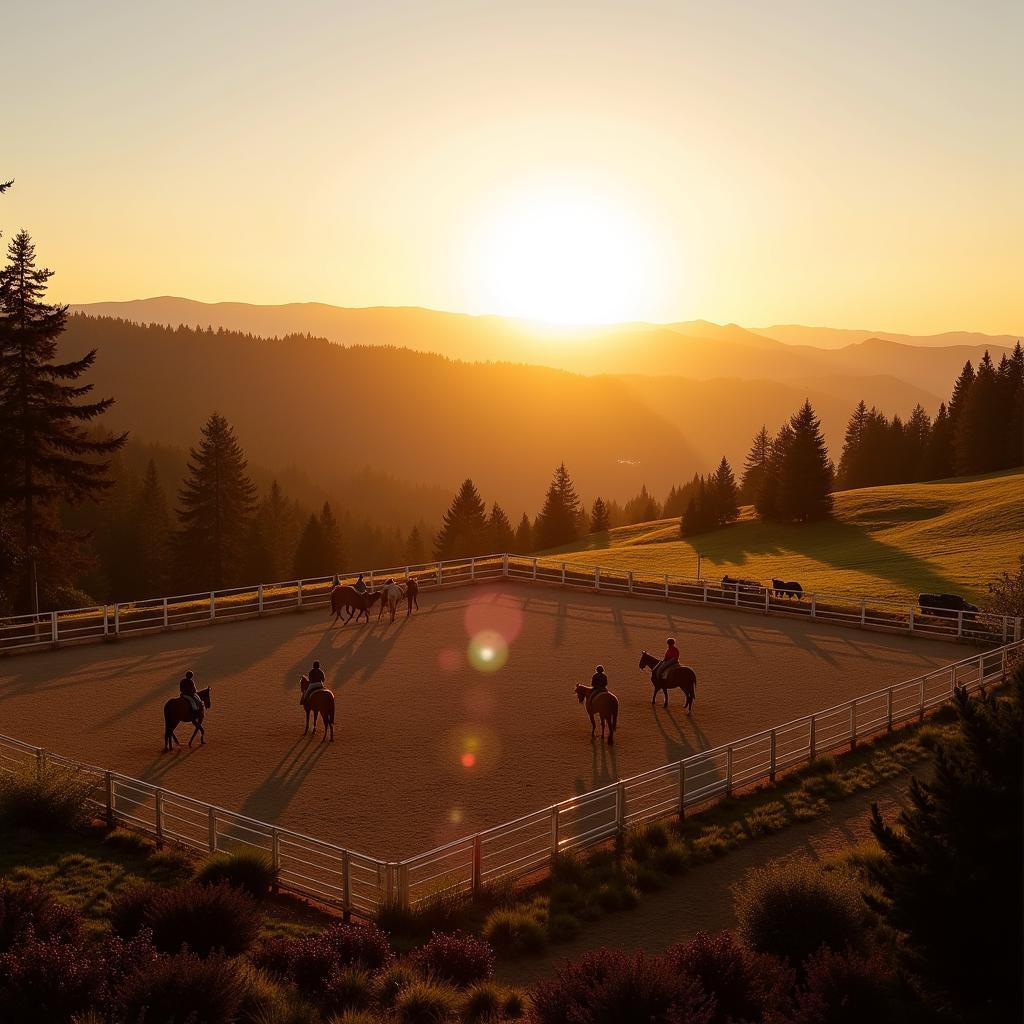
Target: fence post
[(728, 770), (910, 618), (620, 808), (159, 818), (440, 574), (705, 593), (563, 574), (117, 620), (814, 606), (853, 725), (888, 709), (863, 611), (666, 586), (629, 581), (346, 885), (472, 568), (504, 565), (921, 710), (298, 593), (767, 600), (371, 579), (213, 831), (259, 598), (597, 577), (477, 867), (814, 723), (736, 599), (771, 769), (682, 790), (403, 885), (108, 779), (275, 849), (535, 568), (959, 623), (165, 613), (53, 627), (554, 830), (106, 629), (981, 670), (213, 605)]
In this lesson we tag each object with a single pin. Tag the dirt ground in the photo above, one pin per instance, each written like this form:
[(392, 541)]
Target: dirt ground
[(454, 720)]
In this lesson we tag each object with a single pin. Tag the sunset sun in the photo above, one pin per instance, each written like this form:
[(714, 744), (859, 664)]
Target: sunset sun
[(567, 257)]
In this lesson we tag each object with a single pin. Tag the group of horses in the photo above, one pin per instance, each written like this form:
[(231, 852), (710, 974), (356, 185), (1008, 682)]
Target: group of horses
[(359, 602), (779, 588), (605, 705)]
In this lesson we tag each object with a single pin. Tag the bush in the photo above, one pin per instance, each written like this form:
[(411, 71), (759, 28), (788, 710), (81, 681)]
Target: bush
[(745, 985), (129, 908), (426, 1002), (515, 932), (483, 1003), (205, 918), (643, 839), (249, 870), (847, 988), (456, 958), (129, 841), (392, 980), (350, 988), (563, 926), (672, 859), (362, 945), (514, 1005), (56, 803), (615, 987), (183, 989), (794, 908), (28, 908)]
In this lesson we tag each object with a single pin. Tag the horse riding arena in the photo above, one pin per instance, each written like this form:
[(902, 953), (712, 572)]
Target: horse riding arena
[(451, 721)]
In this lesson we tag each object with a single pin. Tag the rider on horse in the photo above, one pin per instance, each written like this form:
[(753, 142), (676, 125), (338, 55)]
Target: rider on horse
[(598, 682), (187, 686), (316, 682), (360, 587), (671, 658)]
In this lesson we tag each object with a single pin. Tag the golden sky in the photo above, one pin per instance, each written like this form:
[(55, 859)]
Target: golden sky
[(855, 165)]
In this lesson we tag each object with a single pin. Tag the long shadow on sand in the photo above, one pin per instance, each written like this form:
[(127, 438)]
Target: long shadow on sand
[(272, 796)]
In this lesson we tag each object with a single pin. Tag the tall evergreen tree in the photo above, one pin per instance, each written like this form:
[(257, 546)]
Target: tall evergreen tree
[(599, 522), (464, 528), (939, 456), (726, 494), (1011, 405), (215, 503), (768, 499), (961, 389), (642, 508), (500, 535), (334, 549), (311, 552), (558, 522), (756, 466), (150, 539), (274, 535), (47, 454), (918, 433), (524, 536), (850, 471), (415, 549), (980, 429), (805, 486)]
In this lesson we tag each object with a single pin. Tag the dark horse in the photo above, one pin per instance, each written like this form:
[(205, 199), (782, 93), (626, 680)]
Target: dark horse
[(412, 590), (787, 588), (679, 677), (321, 703), (344, 597), (180, 709)]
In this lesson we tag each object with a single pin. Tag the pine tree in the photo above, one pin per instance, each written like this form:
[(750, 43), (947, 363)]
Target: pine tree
[(851, 470), (756, 466), (415, 550), (919, 429), (726, 494), (500, 535), (524, 536), (768, 500), (979, 431), (558, 522), (939, 455), (702, 509), (47, 454), (464, 528), (310, 553), (642, 508), (215, 503), (334, 551), (150, 540), (273, 537), (599, 522), (1011, 407), (961, 389), (805, 485)]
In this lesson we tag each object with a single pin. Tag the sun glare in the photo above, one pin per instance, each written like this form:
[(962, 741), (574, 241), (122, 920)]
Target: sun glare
[(568, 257)]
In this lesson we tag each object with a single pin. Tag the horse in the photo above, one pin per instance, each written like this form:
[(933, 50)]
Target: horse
[(739, 583), (782, 588), (681, 677), (606, 704), (180, 709), (412, 590), (391, 593), (321, 703), (345, 597)]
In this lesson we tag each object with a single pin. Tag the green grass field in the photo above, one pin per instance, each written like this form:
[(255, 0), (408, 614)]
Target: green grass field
[(892, 542)]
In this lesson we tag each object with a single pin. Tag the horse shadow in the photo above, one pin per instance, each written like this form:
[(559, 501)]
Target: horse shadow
[(677, 745), (273, 795), (604, 768)]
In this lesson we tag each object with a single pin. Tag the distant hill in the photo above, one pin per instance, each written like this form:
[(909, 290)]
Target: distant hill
[(695, 349), (895, 542), (833, 337)]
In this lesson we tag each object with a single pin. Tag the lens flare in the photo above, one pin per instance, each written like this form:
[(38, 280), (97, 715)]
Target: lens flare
[(468, 760), (490, 616), (488, 651), (455, 816)]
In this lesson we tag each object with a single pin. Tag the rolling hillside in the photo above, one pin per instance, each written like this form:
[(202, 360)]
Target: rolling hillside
[(952, 535)]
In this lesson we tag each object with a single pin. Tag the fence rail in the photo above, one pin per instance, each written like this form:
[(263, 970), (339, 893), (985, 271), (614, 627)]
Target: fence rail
[(360, 884)]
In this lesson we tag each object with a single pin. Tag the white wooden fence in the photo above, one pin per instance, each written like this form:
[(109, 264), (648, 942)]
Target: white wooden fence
[(111, 622)]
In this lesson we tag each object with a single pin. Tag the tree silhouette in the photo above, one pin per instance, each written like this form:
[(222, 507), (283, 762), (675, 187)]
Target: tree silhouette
[(981, 424), (215, 503), (524, 536), (46, 454), (464, 527), (756, 465), (415, 549), (558, 522), (149, 543), (726, 494), (599, 520), (500, 535), (273, 538), (806, 472)]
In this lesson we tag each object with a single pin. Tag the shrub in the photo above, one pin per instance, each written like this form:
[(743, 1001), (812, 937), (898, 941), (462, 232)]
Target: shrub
[(614, 987), (249, 870), (129, 841), (456, 958), (744, 985), (363, 945), (515, 932), (483, 1003), (617, 895), (672, 859), (791, 909), (183, 989), (568, 868), (129, 908), (205, 918), (649, 878), (392, 980), (848, 988), (350, 988), (263, 1000), (644, 839), (58, 802), (426, 1002), (442, 911), (358, 1017), (28, 907), (514, 1005), (563, 926)]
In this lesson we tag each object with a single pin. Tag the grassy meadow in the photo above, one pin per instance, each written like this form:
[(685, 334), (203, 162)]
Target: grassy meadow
[(892, 542)]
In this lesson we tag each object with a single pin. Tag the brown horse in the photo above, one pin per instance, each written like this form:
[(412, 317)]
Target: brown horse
[(681, 677), (321, 703), (606, 704), (345, 597), (412, 590), (180, 709)]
